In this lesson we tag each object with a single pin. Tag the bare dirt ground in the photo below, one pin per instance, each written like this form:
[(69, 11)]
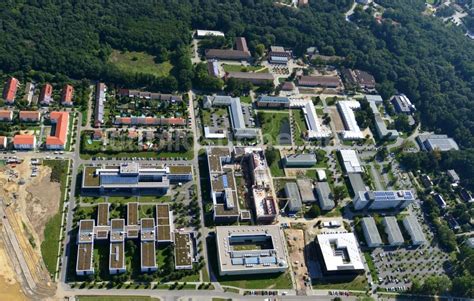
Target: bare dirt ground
[(336, 118), (296, 245), (29, 202), (9, 287)]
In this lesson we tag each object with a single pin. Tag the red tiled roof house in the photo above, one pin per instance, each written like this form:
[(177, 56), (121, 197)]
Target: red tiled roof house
[(24, 142), (66, 98), (46, 93), (59, 139), (6, 115), (30, 116), (9, 91), (3, 142)]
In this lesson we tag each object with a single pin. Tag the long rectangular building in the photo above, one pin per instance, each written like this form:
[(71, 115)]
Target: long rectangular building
[(223, 187), (395, 237), (256, 78), (117, 250), (350, 161), (85, 248), (164, 223), (380, 200), (133, 178), (247, 250), (183, 251), (99, 104), (414, 229), (346, 110), (371, 233)]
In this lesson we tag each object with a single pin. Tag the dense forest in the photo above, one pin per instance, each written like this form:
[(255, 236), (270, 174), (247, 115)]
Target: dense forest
[(415, 54)]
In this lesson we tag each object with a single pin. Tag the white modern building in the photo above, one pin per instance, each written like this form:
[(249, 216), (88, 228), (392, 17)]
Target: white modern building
[(395, 237), (350, 161), (380, 200), (346, 110), (201, 33), (316, 130), (243, 250), (340, 253), (414, 229), (371, 233)]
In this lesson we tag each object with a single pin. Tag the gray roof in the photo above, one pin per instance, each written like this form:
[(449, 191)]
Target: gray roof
[(293, 195), (324, 195), (392, 229), (276, 99), (374, 98), (236, 114), (306, 190), (414, 229), (371, 233), (357, 182)]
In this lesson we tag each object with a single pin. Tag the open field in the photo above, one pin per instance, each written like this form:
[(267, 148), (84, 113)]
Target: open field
[(358, 283), (139, 62), (275, 127), (241, 68), (299, 126), (116, 298)]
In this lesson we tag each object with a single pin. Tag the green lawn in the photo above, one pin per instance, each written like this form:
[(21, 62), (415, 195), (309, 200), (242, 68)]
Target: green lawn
[(272, 126), (358, 283), (246, 99), (139, 62), (187, 155), (50, 245), (52, 231), (241, 68), (300, 126), (115, 298), (276, 168), (370, 263)]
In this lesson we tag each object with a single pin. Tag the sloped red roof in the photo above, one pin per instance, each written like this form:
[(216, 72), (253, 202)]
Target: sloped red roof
[(24, 139), (32, 115), (68, 90), (9, 91), (46, 92), (5, 114), (62, 124)]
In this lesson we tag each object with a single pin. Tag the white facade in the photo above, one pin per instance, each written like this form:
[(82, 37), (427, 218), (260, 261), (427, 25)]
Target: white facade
[(380, 200), (340, 252), (346, 110), (414, 230), (371, 234), (350, 160)]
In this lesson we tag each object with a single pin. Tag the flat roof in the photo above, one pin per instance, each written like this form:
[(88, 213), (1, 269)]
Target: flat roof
[(148, 254), (357, 183), (84, 257), (182, 250), (324, 195), (293, 195), (371, 233), (340, 252), (132, 213), (103, 214), (117, 226), (117, 258), (393, 230), (163, 222), (306, 190), (86, 231), (238, 252), (350, 160), (413, 228), (346, 109)]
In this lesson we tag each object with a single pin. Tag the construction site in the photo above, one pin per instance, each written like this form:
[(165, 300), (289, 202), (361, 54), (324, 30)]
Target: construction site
[(28, 200)]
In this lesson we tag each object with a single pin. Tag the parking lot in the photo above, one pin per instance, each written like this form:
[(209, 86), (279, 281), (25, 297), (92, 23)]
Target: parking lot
[(396, 268)]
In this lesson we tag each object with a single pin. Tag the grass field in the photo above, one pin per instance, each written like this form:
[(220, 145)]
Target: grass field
[(139, 62), (241, 68), (273, 125), (116, 298), (300, 126), (52, 231), (358, 283), (275, 168)]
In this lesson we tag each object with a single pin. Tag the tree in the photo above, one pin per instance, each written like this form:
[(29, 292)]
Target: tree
[(260, 50), (401, 123), (314, 211), (339, 192)]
